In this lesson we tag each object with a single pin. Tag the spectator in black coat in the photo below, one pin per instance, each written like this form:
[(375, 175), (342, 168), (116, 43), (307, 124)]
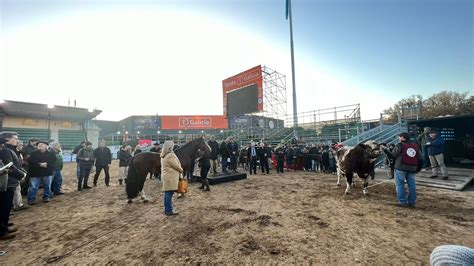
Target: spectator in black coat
[(280, 157), (233, 149), (125, 157), (8, 143), (252, 156), (214, 153), (103, 160), (41, 171), (225, 154), (263, 154), (86, 161), (76, 151)]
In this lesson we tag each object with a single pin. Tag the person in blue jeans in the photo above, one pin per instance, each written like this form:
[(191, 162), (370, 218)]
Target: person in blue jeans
[(170, 173), (58, 166), (407, 158), (41, 170)]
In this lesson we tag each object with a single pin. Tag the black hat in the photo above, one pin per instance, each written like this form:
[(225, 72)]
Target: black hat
[(88, 143), (42, 141), (156, 143), (433, 131)]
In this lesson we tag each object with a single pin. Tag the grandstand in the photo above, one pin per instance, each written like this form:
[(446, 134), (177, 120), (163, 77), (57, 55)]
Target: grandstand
[(67, 125)]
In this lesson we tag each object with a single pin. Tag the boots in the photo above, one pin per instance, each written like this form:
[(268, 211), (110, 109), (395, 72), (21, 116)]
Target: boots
[(205, 184)]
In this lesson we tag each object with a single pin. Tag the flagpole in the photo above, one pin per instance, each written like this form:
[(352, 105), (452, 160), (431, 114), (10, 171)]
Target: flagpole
[(295, 109)]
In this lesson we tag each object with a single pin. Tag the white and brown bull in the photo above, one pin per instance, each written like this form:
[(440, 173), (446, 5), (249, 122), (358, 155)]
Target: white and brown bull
[(359, 160)]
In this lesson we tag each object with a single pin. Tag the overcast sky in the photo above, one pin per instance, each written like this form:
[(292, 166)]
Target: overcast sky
[(170, 57)]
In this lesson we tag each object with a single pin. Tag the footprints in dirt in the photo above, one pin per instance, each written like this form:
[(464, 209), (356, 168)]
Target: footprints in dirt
[(250, 245), (457, 220), (262, 220), (318, 221)]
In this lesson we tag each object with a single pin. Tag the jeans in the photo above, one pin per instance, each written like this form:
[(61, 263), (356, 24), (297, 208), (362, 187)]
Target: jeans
[(98, 169), (400, 177), (169, 202), (224, 164), (6, 198), (34, 185), (57, 181)]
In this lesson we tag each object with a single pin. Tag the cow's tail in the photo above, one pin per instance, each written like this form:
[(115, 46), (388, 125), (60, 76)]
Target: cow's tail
[(133, 184)]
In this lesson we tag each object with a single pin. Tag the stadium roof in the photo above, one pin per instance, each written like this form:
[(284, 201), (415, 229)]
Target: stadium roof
[(38, 110)]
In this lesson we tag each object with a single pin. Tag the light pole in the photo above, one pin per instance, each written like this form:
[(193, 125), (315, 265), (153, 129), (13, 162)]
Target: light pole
[(118, 137), (158, 136)]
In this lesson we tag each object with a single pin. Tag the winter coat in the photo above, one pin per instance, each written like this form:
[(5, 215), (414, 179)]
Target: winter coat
[(396, 153), (16, 173), (38, 157), (83, 154), (103, 156), (170, 172), (436, 146), (58, 164), (223, 150), (214, 149), (124, 158)]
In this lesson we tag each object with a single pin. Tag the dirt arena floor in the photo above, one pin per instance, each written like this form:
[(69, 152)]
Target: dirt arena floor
[(292, 218)]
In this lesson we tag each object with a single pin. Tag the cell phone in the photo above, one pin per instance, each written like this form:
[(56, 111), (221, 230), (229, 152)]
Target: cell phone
[(6, 166)]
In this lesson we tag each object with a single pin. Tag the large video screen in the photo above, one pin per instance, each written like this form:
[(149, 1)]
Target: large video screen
[(242, 101)]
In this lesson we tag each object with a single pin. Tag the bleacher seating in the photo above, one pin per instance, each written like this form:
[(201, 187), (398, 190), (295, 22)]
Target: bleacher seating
[(27, 133)]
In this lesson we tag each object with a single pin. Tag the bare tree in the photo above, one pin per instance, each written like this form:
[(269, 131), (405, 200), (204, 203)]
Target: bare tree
[(439, 104), (447, 103)]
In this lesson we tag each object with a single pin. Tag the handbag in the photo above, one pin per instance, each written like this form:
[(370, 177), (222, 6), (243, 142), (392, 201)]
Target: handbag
[(182, 186)]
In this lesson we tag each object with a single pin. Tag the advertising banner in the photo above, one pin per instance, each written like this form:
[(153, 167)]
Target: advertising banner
[(194, 122)]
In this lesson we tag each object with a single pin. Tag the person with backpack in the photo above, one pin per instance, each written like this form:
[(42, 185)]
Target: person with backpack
[(407, 163)]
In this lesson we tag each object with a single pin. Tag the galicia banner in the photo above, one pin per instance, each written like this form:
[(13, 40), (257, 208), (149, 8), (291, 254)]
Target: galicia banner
[(244, 79), (193, 122)]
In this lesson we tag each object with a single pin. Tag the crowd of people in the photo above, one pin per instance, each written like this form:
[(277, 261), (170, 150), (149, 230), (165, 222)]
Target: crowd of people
[(39, 163)]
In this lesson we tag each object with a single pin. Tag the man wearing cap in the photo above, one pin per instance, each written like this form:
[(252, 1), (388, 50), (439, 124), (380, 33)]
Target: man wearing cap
[(86, 161), (103, 160), (41, 170), (422, 139), (406, 155), (435, 146), (9, 142)]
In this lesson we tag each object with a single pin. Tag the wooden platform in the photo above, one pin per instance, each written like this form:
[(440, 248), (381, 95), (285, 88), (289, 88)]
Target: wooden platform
[(459, 178), (222, 178)]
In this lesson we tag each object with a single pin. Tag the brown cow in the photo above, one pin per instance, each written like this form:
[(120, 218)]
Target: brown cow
[(360, 160)]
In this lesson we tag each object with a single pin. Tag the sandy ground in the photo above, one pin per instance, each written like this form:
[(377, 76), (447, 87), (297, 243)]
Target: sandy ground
[(295, 217)]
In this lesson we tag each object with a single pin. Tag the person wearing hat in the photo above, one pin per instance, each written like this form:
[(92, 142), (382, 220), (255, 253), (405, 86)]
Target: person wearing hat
[(435, 152), (86, 161), (406, 155), (41, 169), (422, 139)]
